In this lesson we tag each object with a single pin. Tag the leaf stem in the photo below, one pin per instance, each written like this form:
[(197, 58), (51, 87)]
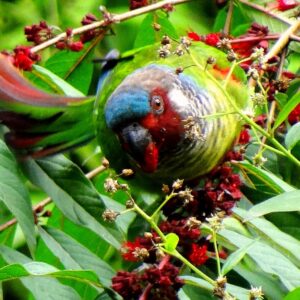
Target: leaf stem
[(150, 221), (176, 254)]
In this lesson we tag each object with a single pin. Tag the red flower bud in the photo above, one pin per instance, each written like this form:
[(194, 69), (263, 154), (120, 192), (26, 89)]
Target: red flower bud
[(76, 46)]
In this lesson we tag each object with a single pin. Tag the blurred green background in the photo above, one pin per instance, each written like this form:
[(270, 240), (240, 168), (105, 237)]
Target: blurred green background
[(14, 15)]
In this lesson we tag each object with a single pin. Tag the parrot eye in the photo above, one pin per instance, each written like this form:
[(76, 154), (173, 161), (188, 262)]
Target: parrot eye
[(157, 104)]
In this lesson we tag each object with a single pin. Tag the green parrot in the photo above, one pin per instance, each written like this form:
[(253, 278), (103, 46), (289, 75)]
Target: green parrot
[(165, 117)]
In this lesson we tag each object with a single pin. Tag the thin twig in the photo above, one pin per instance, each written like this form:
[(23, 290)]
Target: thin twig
[(111, 20), (260, 38), (41, 205), (267, 12), (282, 41), (227, 25), (274, 103)]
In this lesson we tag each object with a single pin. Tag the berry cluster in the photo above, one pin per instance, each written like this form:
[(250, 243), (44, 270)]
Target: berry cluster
[(154, 282), (134, 4), (209, 201), (23, 57)]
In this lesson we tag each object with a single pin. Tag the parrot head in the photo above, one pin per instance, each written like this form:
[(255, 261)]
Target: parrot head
[(150, 112)]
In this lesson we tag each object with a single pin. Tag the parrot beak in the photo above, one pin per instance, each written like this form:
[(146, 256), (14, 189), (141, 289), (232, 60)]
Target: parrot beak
[(138, 142)]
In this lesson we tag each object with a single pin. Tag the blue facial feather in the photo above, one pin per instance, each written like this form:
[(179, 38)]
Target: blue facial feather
[(126, 105)]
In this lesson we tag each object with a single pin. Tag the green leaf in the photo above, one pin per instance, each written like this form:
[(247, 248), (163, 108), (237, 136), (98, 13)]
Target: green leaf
[(147, 35), (294, 62), (56, 83), (266, 257), (15, 196), (15, 271), (293, 295), (286, 110), (239, 24), (41, 287), (267, 178), (272, 287), (74, 67), (293, 136), (272, 235), (171, 242), (281, 99), (288, 201), (73, 194), (75, 256), (275, 25), (234, 258)]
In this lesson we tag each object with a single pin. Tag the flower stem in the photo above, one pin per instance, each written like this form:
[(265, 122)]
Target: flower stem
[(176, 254), (168, 197), (150, 221), (214, 237)]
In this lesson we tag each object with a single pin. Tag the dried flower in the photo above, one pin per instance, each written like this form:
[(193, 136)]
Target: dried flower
[(111, 185), (215, 222), (186, 195), (231, 56), (165, 189), (156, 26), (256, 293), (164, 51), (140, 253), (179, 70), (185, 41), (177, 184), (253, 73), (129, 203), (258, 53), (105, 163), (159, 254), (258, 99), (123, 187), (224, 43), (179, 50), (259, 160), (221, 281), (192, 222), (165, 40), (211, 60), (148, 235), (110, 215)]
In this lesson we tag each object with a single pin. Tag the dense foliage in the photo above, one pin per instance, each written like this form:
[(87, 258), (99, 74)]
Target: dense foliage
[(98, 234)]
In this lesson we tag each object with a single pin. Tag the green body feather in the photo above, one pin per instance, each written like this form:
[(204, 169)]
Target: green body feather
[(209, 77)]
